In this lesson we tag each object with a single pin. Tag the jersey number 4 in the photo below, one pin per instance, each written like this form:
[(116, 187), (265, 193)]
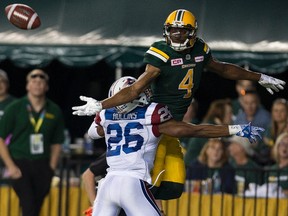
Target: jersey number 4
[(187, 83), (114, 146)]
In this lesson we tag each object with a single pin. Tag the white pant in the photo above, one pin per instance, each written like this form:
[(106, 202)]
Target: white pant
[(131, 194)]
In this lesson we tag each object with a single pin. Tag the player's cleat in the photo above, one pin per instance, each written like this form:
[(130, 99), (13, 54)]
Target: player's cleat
[(88, 212)]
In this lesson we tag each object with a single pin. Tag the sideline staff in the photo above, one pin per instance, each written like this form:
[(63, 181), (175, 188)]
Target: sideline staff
[(37, 128)]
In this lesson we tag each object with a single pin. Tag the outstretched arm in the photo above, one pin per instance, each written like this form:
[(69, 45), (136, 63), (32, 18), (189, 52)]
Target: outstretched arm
[(184, 129), (125, 95), (231, 71), (132, 92), (234, 72)]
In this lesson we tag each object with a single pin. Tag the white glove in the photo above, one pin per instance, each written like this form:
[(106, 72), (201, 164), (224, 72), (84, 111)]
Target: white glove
[(248, 131), (91, 107), (271, 83)]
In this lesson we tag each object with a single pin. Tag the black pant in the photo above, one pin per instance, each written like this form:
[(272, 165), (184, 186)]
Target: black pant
[(33, 186), (99, 167)]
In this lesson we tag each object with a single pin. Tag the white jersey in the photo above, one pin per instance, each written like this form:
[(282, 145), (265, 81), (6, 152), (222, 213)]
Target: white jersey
[(132, 139)]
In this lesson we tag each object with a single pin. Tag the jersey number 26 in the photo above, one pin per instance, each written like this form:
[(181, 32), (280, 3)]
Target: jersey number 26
[(123, 133)]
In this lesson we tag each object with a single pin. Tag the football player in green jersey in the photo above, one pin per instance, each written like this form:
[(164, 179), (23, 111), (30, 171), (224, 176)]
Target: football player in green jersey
[(173, 70)]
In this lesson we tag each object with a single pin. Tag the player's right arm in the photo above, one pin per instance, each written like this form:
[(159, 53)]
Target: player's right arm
[(125, 95), (132, 92)]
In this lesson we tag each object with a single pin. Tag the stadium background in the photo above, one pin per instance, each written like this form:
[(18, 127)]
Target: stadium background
[(85, 45)]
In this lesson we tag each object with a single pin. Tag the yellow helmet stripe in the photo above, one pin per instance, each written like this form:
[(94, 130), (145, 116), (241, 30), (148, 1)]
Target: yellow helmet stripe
[(205, 48), (158, 53)]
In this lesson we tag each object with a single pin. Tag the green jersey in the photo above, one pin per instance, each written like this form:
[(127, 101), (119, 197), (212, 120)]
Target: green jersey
[(247, 173), (180, 74), (4, 103), (277, 174), (48, 127)]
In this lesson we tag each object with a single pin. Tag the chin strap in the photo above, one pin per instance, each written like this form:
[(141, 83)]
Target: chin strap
[(179, 46)]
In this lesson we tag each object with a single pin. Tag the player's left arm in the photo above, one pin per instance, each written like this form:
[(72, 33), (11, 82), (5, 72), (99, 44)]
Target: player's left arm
[(163, 123), (231, 71), (184, 129), (234, 72)]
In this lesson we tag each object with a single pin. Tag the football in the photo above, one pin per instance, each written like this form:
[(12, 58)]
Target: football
[(22, 16)]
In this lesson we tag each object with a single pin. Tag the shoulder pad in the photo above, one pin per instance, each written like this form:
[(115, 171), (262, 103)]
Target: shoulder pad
[(160, 114), (206, 48), (157, 51)]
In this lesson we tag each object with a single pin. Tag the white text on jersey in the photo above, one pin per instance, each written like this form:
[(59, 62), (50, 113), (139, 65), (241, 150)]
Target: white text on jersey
[(120, 116)]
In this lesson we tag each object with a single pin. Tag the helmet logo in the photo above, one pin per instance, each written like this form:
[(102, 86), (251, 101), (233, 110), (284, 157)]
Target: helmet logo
[(178, 23), (124, 82), (130, 81)]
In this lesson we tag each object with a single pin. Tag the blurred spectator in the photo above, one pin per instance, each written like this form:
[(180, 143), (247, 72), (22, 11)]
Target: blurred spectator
[(278, 125), (279, 122), (252, 111), (279, 171), (219, 112), (5, 97), (246, 170), (212, 166), (241, 87)]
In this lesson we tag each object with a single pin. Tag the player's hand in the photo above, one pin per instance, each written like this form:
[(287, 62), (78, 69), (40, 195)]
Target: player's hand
[(250, 132), (91, 107), (88, 212), (271, 83)]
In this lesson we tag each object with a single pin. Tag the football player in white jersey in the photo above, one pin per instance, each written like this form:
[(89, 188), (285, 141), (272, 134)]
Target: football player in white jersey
[(132, 132)]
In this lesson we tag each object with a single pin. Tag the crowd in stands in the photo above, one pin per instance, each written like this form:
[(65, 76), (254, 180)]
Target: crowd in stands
[(234, 160)]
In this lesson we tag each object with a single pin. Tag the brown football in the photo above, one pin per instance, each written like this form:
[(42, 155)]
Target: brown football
[(22, 16)]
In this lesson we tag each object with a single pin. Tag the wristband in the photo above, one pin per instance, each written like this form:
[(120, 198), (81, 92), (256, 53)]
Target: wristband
[(234, 129), (92, 131)]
